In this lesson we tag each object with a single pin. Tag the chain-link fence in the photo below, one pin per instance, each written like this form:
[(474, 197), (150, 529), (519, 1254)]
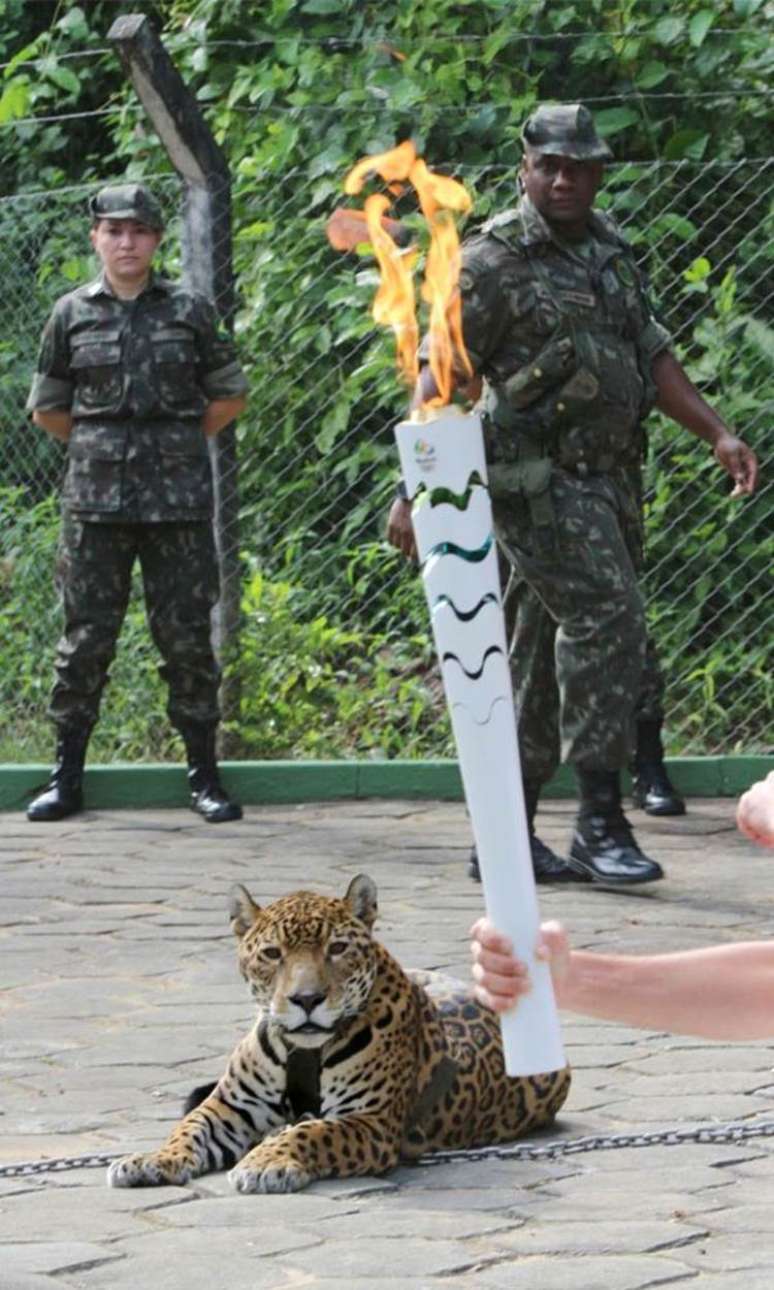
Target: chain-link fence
[(323, 592)]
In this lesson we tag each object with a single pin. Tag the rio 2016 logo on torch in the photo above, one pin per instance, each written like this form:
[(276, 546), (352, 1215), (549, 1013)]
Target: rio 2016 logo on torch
[(424, 456)]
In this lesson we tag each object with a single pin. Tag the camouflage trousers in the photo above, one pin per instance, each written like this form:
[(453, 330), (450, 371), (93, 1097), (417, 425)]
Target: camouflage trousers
[(180, 582), (531, 636), (578, 664)]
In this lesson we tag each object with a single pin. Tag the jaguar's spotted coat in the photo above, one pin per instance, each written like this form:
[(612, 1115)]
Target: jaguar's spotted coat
[(353, 1064)]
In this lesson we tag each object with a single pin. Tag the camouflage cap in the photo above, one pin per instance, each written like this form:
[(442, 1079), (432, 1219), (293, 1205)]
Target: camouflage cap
[(127, 201), (564, 130)]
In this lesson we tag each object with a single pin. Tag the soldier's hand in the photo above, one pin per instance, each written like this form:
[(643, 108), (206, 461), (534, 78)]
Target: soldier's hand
[(400, 530), (739, 462)]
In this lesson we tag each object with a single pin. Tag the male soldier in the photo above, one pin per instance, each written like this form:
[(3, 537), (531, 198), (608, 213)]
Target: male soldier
[(556, 320), (134, 374)]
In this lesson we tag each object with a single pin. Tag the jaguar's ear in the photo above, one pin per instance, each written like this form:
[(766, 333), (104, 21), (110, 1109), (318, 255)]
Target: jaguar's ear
[(361, 895), (242, 911)]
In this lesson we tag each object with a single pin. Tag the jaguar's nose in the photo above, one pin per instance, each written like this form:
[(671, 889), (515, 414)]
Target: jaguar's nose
[(307, 999)]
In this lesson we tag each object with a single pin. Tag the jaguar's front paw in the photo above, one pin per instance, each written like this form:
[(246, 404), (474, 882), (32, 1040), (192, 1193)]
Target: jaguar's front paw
[(152, 1170), (274, 1178)]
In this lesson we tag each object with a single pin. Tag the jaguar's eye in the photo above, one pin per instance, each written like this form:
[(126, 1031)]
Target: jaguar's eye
[(336, 948), (272, 952)]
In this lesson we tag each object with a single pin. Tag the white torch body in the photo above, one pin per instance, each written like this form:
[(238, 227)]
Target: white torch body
[(457, 552)]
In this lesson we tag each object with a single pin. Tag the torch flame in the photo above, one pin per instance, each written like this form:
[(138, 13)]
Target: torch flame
[(393, 166), (394, 300), (394, 303)]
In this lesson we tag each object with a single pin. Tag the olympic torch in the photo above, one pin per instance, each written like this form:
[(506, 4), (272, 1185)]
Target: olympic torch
[(442, 457)]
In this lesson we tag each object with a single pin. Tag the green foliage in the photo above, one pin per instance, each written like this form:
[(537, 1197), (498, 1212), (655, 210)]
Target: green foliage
[(133, 724), (314, 688), (722, 573), (319, 83), (42, 80), (26, 643), (311, 687)]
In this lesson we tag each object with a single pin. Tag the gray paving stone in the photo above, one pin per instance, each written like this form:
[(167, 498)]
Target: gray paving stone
[(593, 1199), (230, 1210), (695, 1084), (51, 1256), (377, 1259), (551, 1273), (428, 1224), (750, 1279), (87, 1212), (145, 1049), (682, 1109), (753, 1217), (705, 1057), (757, 1169), (453, 1199), (30, 1281), (729, 1253), (122, 992), (168, 1260), (483, 1172), (18, 1149), (599, 1056), (597, 1236)]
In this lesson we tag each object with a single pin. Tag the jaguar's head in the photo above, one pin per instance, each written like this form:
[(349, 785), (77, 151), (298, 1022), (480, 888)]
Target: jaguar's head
[(310, 960)]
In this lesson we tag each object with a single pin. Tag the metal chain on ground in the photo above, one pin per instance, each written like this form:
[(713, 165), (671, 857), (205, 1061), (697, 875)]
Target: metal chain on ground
[(703, 1135), (91, 1161)]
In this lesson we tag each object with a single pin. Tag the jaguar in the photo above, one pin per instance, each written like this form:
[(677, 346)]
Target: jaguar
[(353, 1064)]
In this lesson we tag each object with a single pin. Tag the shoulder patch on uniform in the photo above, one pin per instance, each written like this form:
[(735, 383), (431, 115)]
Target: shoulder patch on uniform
[(626, 271), (502, 220), (507, 232)]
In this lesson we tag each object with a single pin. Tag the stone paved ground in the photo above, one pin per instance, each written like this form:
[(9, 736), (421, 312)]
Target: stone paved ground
[(119, 992)]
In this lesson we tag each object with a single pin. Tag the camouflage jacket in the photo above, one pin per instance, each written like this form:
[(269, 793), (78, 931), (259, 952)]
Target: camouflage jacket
[(563, 334), (137, 376)]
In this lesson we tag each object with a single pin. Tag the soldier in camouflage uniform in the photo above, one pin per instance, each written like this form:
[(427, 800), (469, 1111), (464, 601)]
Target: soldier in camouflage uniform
[(530, 632), (556, 320), (133, 374)]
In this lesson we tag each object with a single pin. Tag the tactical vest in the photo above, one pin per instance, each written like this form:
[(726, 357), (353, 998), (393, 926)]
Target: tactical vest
[(136, 446), (582, 395)]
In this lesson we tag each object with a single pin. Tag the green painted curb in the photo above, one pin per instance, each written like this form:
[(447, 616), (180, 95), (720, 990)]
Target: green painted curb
[(256, 782)]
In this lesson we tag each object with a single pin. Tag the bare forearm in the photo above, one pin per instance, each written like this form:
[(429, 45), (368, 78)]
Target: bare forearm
[(57, 424), (220, 413), (722, 992), (680, 400)]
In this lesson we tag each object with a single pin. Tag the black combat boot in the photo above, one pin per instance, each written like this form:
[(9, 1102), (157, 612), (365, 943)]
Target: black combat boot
[(603, 846), (546, 865), (651, 787), (208, 796), (63, 795)]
